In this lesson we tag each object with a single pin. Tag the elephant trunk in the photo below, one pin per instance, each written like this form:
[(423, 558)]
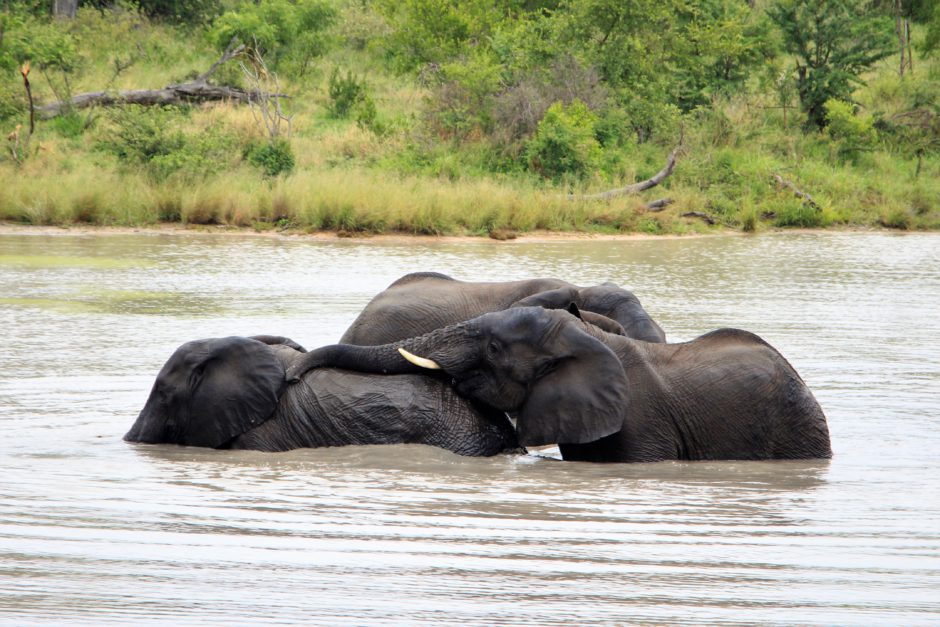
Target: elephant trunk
[(383, 359)]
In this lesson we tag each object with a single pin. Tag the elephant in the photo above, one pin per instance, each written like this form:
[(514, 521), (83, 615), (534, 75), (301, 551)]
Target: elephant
[(727, 395), (231, 393), (421, 302)]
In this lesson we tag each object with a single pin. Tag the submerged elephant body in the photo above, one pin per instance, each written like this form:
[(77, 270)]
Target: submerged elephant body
[(421, 302), (231, 393), (608, 398)]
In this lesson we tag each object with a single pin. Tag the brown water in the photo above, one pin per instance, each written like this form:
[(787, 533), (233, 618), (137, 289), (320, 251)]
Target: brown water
[(95, 530)]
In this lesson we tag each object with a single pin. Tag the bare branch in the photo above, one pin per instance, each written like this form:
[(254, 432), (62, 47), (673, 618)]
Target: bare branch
[(698, 214), (230, 53), (636, 188), (659, 205)]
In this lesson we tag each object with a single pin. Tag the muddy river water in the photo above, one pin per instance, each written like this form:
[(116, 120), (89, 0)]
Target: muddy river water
[(95, 530)]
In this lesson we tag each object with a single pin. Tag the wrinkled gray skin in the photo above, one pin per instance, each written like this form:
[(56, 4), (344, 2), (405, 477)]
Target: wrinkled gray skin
[(421, 302), (231, 393), (608, 398)]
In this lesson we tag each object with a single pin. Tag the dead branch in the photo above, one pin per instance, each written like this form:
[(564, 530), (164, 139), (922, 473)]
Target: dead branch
[(659, 205), (266, 106), (799, 193), (29, 95), (197, 90), (231, 51), (698, 214), (636, 188)]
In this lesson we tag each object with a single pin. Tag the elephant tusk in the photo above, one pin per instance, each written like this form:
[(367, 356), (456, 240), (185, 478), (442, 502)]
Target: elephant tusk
[(419, 361)]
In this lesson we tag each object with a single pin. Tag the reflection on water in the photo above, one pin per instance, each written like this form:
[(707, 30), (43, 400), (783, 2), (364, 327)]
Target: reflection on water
[(95, 530)]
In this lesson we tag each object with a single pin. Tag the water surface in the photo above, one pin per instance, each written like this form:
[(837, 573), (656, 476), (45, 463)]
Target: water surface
[(95, 530)]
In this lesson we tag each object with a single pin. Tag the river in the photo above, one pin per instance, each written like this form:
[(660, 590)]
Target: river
[(95, 530)]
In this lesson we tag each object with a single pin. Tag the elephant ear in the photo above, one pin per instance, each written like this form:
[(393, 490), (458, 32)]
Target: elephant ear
[(235, 389), (582, 398)]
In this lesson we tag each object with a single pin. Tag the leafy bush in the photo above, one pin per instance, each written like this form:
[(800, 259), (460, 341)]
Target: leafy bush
[(273, 157), (290, 33), (39, 41), (367, 116), (797, 213), (151, 137), (565, 142), (852, 133), (12, 100), (345, 92)]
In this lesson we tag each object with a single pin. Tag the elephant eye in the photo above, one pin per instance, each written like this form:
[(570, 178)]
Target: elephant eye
[(492, 349)]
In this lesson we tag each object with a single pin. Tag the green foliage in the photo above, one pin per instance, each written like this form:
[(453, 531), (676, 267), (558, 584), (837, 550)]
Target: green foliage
[(932, 38), (852, 133), (367, 116), (565, 142), (152, 137), (12, 100), (69, 125), (461, 104), (795, 213), (898, 218), (345, 92), (40, 41), (289, 33), (273, 158), (834, 41), (434, 31)]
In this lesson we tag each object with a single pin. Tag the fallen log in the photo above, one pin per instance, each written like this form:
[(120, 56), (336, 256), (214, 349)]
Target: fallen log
[(196, 90), (659, 205), (698, 214), (635, 188)]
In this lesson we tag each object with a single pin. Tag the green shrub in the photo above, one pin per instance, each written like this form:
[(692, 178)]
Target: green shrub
[(797, 213), (898, 218), (564, 142), (12, 100), (151, 137), (345, 92), (852, 133), (69, 125), (273, 157), (291, 32)]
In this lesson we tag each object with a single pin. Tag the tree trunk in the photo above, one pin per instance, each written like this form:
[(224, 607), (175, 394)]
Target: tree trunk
[(197, 90), (64, 8), (636, 188)]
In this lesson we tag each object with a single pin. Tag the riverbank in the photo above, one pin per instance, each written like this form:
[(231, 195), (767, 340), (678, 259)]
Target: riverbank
[(175, 230)]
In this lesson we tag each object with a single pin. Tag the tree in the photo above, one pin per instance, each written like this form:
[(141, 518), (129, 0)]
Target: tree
[(834, 41)]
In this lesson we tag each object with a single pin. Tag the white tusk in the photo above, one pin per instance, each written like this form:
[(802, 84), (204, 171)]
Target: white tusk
[(421, 362)]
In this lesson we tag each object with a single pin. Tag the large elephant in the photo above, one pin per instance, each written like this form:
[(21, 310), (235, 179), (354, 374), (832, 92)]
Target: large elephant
[(421, 302), (608, 398), (231, 393)]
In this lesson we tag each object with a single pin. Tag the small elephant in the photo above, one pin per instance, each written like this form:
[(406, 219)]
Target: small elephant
[(231, 393), (607, 398), (421, 302)]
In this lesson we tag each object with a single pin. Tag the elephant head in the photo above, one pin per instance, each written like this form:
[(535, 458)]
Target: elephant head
[(544, 365), (211, 391)]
